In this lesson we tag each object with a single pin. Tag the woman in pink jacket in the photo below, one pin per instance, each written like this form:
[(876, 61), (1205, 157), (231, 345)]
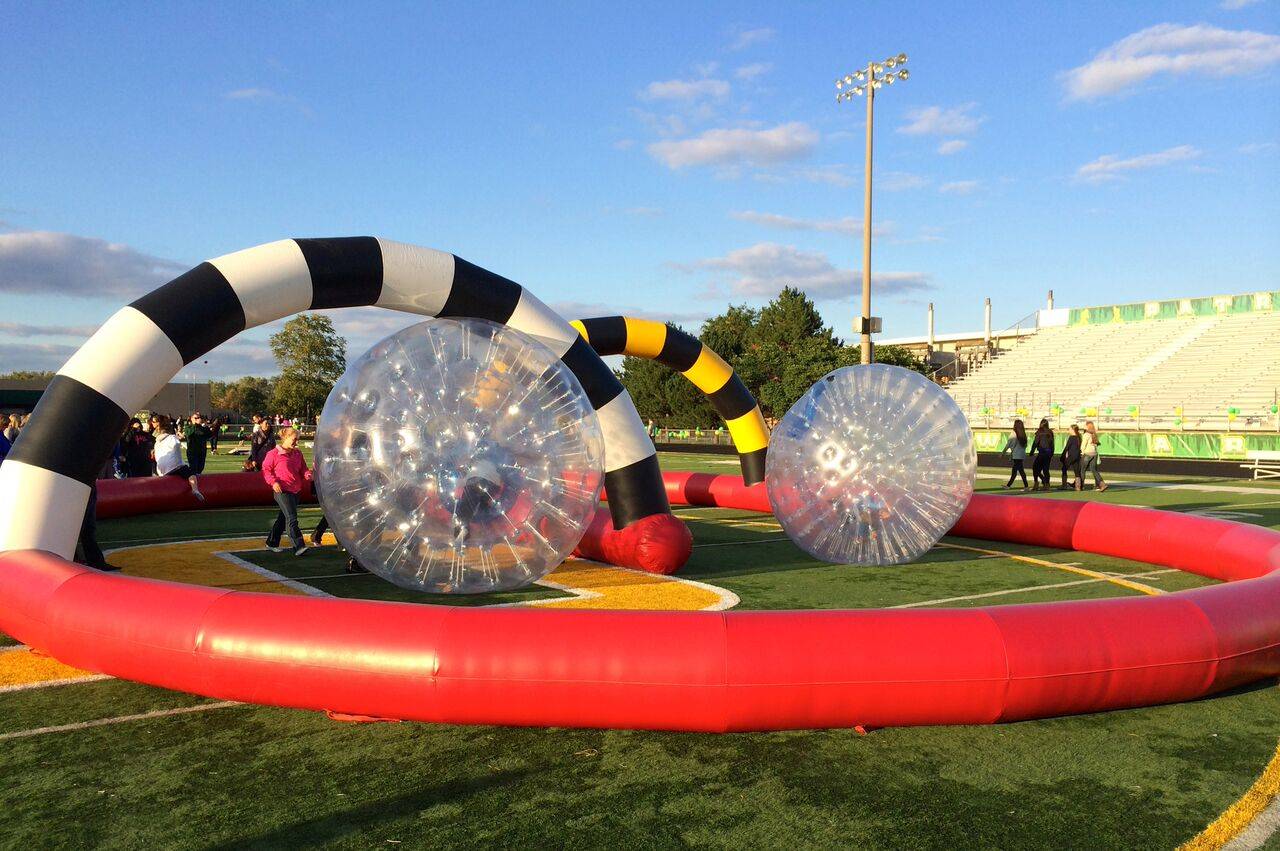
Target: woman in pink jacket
[(285, 470)]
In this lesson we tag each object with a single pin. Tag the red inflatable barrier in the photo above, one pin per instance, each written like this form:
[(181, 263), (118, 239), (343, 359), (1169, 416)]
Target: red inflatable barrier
[(660, 543), (704, 671)]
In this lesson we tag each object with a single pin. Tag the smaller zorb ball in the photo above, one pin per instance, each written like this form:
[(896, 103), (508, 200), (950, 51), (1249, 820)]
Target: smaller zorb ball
[(459, 456), (872, 466)]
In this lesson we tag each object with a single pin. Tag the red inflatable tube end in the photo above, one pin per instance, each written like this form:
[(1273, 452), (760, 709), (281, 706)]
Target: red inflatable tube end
[(659, 543)]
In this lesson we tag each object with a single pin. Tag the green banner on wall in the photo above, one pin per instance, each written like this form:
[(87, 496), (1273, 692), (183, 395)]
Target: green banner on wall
[(1218, 305), (1156, 444)]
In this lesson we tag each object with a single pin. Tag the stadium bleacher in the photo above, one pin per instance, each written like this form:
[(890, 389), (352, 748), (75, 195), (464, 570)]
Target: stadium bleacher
[(1188, 367)]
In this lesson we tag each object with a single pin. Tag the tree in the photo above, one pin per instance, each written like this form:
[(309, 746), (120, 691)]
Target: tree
[(789, 318), (28, 375), (248, 395), (312, 357), (729, 333), (664, 396), (900, 356)]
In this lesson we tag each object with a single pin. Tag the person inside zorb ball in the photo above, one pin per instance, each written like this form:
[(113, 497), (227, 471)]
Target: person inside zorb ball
[(871, 466), (459, 456)]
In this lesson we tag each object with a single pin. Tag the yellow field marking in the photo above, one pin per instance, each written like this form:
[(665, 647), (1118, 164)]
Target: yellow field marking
[(602, 586), (1239, 815), (22, 668), (1083, 571)]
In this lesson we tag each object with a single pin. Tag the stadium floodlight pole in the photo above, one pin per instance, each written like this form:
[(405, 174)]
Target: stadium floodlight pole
[(868, 80)]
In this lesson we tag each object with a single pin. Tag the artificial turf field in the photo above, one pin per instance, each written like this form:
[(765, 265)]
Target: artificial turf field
[(243, 776)]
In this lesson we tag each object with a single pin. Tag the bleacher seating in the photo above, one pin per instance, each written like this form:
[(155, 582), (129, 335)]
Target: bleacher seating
[(1189, 369)]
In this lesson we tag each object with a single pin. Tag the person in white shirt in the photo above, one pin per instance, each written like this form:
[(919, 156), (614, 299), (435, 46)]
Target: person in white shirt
[(1089, 442), (168, 454)]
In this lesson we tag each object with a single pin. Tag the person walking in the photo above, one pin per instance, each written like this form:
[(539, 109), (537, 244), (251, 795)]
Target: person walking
[(168, 453), (285, 470), (1071, 458), (260, 444), (1042, 446), (197, 435), (1089, 444), (1017, 446), (215, 433)]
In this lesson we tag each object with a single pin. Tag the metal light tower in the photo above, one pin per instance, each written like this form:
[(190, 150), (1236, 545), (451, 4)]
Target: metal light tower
[(867, 81)]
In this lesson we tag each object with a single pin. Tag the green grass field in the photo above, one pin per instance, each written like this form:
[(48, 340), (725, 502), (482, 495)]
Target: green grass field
[(244, 776)]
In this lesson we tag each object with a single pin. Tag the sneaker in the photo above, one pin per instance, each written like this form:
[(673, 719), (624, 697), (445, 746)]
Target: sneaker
[(1103, 487), (275, 548), (300, 551), (199, 495), (315, 541)]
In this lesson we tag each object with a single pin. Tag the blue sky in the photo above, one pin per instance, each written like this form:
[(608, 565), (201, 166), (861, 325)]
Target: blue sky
[(657, 159)]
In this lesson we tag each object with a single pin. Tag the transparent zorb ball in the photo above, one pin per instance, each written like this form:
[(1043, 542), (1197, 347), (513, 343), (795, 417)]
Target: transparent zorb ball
[(871, 466), (459, 456)]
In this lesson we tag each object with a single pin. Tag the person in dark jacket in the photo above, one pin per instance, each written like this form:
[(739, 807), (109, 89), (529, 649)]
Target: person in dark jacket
[(5, 446), (1017, 446), (1042, 446), (1071, 457), (197, 436), (137, 446), (260, 443)]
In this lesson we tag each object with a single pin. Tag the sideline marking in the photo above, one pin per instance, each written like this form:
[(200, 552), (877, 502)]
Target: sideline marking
[(1083, 571), (1236, 820), (1006, 592), (119, 719)]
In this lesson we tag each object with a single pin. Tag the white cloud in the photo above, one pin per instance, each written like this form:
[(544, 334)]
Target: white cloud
[(1171, 49), (251, 94), (952, 146), (940, 121), (900, 181), (22, 329), (1258, 147), (685, 90), (846, 225), (1113, 167), (750, 72), (52, 263), (1232, 5), (746, 38), (737, 146), (960, 187), (624, 144), (762, 270)]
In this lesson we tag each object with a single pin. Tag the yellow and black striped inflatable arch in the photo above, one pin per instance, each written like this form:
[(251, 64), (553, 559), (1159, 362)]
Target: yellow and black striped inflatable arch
[(644, 338)]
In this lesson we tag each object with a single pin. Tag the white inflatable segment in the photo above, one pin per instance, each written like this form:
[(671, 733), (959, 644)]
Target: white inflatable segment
[(43, 509), (415, 279), (272, 281), (128, 360)]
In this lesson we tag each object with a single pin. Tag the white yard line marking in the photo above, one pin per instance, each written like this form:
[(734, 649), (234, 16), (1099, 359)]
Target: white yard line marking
[(309, 590), (120, 719), (1032, 588), (87, 678)]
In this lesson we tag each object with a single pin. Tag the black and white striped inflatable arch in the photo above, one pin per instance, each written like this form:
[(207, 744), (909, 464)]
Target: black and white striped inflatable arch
[(44, 482)]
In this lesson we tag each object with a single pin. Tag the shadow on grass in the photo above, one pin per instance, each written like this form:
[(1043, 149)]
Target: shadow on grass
[(381, 813)]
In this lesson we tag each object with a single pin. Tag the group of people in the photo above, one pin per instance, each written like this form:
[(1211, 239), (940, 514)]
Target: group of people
[(10, 425), (1079, 455)]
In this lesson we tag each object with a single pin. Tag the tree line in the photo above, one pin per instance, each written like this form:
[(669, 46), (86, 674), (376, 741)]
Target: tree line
[(778, 351)]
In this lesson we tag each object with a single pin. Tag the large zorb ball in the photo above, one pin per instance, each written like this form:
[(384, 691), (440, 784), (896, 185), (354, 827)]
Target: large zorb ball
[(872, 466), (458, 457)]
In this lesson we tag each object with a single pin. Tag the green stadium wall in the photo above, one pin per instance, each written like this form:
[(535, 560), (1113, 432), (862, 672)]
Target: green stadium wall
[(1203, 446)]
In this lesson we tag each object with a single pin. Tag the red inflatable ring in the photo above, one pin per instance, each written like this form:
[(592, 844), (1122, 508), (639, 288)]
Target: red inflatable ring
[(713, 671)]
